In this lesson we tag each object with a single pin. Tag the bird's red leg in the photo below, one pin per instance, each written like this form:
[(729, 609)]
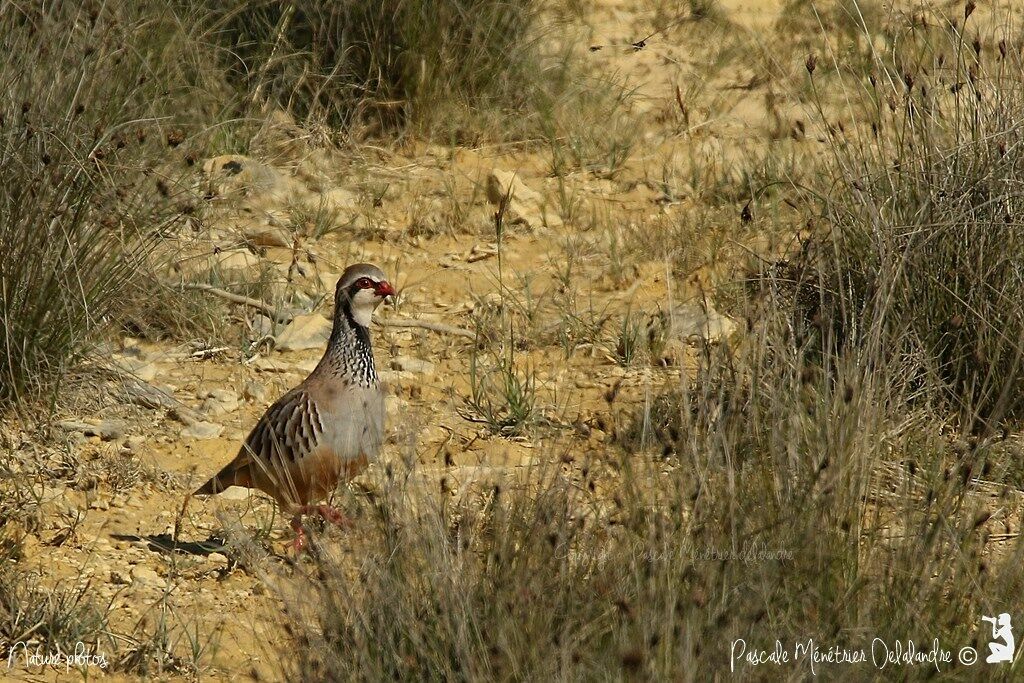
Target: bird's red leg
[(328, 514), (299, 544)]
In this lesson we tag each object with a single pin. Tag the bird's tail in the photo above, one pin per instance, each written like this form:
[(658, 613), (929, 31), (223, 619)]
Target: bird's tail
[(210, 488), (234, 474)]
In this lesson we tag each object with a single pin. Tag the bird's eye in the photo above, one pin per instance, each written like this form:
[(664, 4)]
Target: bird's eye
[(364, 283)]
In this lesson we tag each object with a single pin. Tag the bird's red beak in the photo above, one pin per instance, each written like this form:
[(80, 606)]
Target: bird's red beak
[(384, 288)]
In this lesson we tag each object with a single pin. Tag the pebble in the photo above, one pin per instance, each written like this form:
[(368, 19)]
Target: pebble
[(134, 444), (217, 558), (140, 369), (414, 365), (107, 430), (392, 405), (202, 430), (118, 578), (255, 392), (304, 332), (693, 322), (145, 576), (219, 402)]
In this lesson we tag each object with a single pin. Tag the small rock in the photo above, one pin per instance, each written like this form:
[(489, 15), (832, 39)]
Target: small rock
[(262, 326), (254, 392), (691, 321), (184, 415), (267, 235), (264, 364), (233, 175), (396, 378), (108, 430), (414, 365), (149, 396), (234, 493), (339, 199), (139, 369), (525, 205), (134, 444), (118, 578), (304, 332), (202, 430), (145, 576), (393, 405), (240, 261), (219, 402), (217, 558)]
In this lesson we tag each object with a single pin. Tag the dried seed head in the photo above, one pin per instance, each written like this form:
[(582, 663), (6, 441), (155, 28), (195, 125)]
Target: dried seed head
[(811, 63), (976, 45), (1002, 48), (175, 138), (969, 9), (612, 392), (632, 660)]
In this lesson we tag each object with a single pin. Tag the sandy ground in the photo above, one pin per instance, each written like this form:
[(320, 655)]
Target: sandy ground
[(713, 99)]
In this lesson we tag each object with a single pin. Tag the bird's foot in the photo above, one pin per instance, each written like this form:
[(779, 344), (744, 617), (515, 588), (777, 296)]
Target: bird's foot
[(329, 514)]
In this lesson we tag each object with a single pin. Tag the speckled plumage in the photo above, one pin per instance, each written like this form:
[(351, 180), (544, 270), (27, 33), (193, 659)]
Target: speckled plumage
[(331, 425)]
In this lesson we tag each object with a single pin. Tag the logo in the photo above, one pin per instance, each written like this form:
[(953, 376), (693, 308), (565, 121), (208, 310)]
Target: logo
[(1002, 631)]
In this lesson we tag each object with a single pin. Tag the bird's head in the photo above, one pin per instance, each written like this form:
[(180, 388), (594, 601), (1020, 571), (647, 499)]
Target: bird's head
[(362, 288)]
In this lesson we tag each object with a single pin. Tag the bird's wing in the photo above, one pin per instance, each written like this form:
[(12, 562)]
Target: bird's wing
[(289, 431)]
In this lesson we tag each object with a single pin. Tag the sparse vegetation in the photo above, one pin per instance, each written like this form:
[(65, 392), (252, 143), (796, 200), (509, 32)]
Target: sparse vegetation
[(33, 618), (83, 112), (456, 68), (573, 486), (922, 216)]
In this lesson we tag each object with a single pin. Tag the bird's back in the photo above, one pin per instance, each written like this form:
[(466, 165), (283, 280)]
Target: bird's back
[(308, 440)]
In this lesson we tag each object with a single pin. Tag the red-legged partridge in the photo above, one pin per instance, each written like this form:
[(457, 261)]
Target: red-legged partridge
[(327, 428)]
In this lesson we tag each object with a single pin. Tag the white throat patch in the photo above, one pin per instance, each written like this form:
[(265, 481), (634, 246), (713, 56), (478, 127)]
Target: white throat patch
[(364, 302)]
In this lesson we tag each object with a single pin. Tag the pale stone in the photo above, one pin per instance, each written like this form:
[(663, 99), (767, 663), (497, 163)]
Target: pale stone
[(304, 332), (202, 430)]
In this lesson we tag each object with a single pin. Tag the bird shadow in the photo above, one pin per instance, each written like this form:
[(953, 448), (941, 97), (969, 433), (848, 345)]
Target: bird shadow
[(167, 544)]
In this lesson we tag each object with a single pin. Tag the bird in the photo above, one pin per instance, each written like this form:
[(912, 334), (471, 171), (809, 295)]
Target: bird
[(329, 427)]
